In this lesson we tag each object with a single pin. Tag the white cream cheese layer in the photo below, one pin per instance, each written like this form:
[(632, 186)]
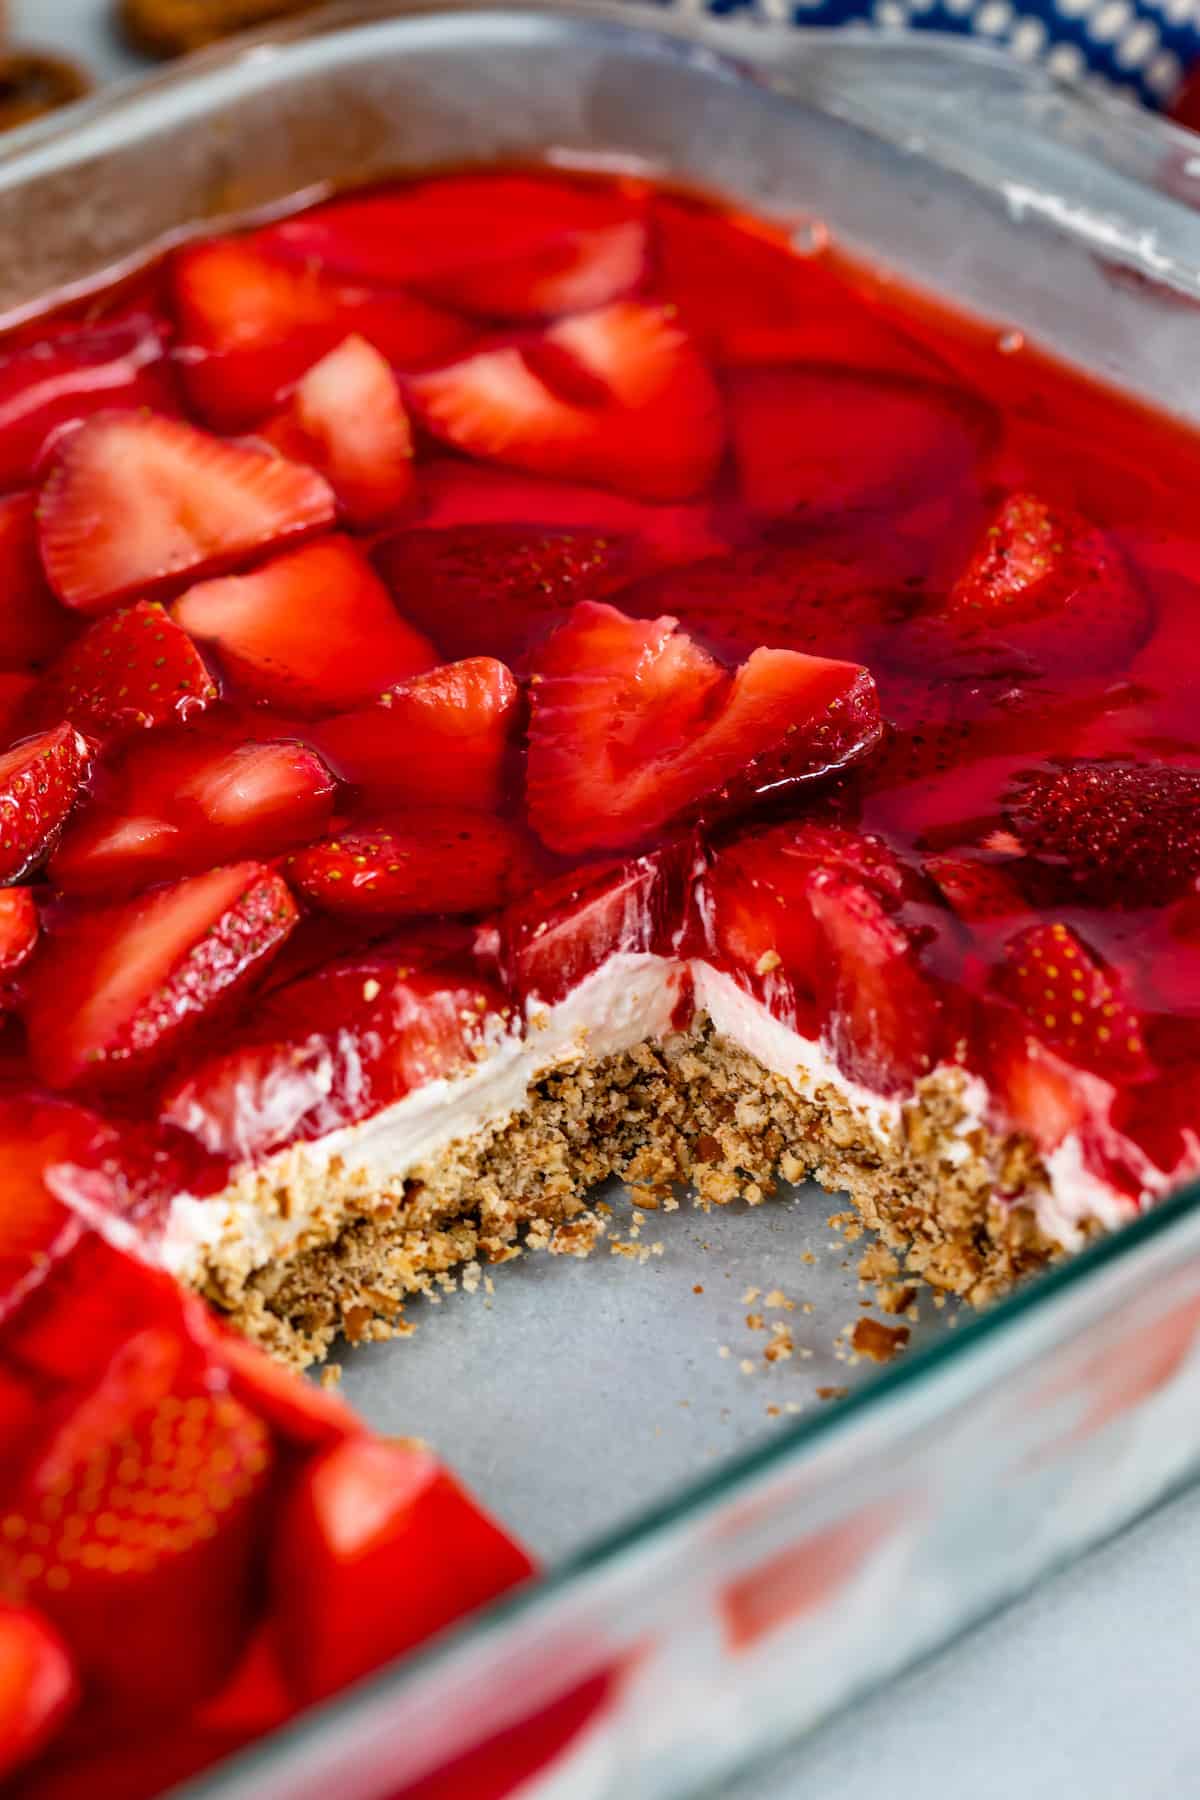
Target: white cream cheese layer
[(630, 1000)]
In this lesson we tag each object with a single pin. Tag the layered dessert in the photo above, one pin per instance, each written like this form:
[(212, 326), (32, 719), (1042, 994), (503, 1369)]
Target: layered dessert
[(514, 679)]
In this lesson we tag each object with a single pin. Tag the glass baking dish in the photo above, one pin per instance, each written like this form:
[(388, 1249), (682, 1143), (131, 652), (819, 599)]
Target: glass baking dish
[(730, 1556)]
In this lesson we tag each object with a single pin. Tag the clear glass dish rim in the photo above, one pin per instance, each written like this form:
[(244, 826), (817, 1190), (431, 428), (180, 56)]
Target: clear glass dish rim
[(1041, 1293)]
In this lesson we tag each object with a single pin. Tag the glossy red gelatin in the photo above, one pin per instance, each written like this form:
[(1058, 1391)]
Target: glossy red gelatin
[(416, 602)]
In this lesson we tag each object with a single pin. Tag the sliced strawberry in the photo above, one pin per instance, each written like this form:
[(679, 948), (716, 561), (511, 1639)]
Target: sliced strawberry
[(36, 1228), (116, 989), (378, 1549), (190, 801), (1050, 584), (437, 860), (746, 297), (33, 626), (19, 927), (635, 725), (298, 1411), (1074, 1004), (544, 944), (38, 1686), (799, 441), (40, 781), (440, 739), (337, 1047), (618, 397), (1036, 1091), (315, 629), (881, 1015), (55, 381), (137, 502), (130, 671), (503, 245), (978, 890), (1122, 834), (755, 906), (497, 588), (153, 1485), (252, 321), (347, 419)]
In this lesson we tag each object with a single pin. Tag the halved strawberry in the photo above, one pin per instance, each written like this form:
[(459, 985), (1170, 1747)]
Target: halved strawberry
[(36, 1228), (435, 860), (346, 418), (137, 502), (1123, 834), (798, 438), (33, 626), (503, 245), (19, 927), (1036, 1090), (440, 739), (57, 380), (497, 588), (130, 671), (38, 1685), (315, 629), (251, 322), (296, 1410), (40, 781), (335, 1047), (378, 1549), (756, 911), (544, 944), (634, 725), (117, 989), (881, 1014), (152, 1484), (1074, 1004), (189, 801), (1053, 586), (618, 396)]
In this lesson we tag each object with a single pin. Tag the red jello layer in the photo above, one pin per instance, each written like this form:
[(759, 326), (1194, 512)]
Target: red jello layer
[(383, 602)]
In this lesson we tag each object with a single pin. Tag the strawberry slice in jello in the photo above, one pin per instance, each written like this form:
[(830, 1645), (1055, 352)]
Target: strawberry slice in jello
[(500, 245), (136, 502), (115, 990), (634, 726), (349, 1564), (47, 387), (190, 800), (499, 587), (314, 630), (618, 396), (154, 1480), (37, 1228), (440, 738), (38, 1685), (19, 927), (252, 322), (1122, 834), (40, 780), (430, 860), (337, 1046), (130, 671), (346, 417)]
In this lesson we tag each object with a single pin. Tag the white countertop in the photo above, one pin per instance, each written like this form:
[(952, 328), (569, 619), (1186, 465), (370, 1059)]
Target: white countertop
[(1085, 1689)]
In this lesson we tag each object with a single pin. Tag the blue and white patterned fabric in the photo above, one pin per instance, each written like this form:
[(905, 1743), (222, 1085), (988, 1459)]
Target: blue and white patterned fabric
[(1140, 47)]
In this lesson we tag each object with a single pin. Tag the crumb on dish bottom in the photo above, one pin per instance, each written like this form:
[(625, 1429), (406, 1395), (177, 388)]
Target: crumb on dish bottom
[(692, 1110)]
